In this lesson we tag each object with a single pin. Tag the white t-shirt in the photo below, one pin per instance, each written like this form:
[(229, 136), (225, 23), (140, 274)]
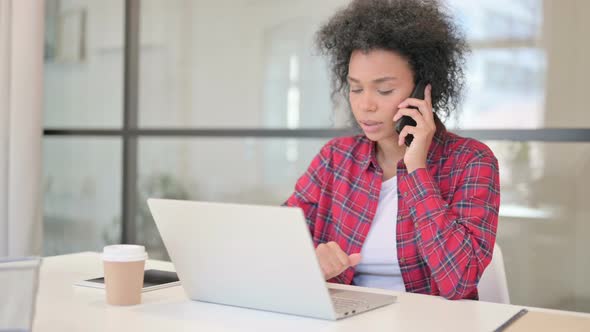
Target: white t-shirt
[(379, 266)]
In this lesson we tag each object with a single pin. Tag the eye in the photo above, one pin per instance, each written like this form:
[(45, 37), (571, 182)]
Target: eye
[(386, 92), (356, 90)]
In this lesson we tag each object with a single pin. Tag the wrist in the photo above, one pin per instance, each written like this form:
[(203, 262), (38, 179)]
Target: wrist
[(412, 168)]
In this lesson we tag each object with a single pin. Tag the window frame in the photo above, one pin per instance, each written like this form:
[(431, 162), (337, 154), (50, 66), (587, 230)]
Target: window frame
[(130, 133)]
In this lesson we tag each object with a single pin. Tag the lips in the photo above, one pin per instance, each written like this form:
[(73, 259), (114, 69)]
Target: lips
[(370, 126), (370, 123)]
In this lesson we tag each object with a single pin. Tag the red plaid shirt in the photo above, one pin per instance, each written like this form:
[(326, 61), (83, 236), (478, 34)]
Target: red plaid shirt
[(446, 218)]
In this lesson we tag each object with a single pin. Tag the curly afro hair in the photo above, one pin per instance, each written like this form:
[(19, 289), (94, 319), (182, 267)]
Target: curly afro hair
[(419, 30)]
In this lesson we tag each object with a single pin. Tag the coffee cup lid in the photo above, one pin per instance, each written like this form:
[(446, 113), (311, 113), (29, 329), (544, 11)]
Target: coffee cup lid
[(124, 253)]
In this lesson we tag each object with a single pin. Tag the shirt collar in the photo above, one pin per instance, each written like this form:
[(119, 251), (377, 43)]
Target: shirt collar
[(370, 157), (369, 153)]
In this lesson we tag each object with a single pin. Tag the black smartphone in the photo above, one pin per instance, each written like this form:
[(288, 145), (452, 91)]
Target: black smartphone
[(152, 280), (418, 93)]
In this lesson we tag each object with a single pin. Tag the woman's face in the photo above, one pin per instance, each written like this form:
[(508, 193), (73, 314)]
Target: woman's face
[(379, 81)]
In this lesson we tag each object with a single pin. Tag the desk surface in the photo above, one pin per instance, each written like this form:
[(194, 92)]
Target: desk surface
[(64, 307)]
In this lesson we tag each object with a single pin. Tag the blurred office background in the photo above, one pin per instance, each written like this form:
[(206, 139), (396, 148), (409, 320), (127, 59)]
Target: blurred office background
[(227, 100)]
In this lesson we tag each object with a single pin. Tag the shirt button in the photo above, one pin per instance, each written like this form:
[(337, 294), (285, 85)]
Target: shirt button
[(399, 218), (401, 260), (416, 225), (405, 194)]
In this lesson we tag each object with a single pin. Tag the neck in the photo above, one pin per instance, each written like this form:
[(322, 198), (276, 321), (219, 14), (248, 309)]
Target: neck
[(389, 152)]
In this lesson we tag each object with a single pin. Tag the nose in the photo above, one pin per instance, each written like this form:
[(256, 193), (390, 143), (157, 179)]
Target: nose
[(367, 102)]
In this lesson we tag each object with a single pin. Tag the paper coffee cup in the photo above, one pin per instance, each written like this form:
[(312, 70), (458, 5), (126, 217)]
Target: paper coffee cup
[(123, 273)]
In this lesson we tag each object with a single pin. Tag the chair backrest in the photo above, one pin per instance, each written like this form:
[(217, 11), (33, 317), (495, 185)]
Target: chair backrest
[(493, 286)]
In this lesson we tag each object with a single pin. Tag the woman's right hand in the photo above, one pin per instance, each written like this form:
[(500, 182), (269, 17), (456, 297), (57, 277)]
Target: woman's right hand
[(334, 260)]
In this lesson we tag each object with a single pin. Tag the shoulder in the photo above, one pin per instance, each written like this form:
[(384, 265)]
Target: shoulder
[(347, 147), (347, 142), (465, 149)]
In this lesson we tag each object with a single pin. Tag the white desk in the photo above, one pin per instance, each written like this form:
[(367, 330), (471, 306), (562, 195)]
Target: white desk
[(64, 307)]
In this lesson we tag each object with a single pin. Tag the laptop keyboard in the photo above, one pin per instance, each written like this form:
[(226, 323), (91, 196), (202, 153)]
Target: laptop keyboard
[(343, 304)]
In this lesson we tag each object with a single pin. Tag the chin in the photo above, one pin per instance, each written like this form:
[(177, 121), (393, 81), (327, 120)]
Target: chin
[(375, 136), (380, 136)]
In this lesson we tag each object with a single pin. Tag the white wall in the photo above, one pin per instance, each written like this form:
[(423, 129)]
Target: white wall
[(21, 69), (568, 49)]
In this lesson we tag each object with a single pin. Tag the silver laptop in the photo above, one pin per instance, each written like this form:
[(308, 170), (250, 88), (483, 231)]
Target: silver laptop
[(259, 257)]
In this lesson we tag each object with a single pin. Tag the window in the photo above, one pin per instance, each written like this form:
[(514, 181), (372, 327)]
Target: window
[(237, 116)]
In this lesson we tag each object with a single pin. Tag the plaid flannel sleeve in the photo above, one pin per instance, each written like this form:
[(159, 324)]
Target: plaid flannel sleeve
[(456, 239), (309, 187), (307, 195)]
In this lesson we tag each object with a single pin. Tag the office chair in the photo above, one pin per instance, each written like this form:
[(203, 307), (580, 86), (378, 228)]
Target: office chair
[(493, 286)]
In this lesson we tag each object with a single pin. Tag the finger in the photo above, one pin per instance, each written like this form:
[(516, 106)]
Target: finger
[(326, 270), (424, 106), (405, 132), (428, 95), (354, 259), (339, 254), (413, 113), (323, 254), (329, 271), (332, 259), (419, 103), (427, 111)]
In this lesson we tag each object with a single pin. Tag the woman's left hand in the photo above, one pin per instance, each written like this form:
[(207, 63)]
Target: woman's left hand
[(417, 152)]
